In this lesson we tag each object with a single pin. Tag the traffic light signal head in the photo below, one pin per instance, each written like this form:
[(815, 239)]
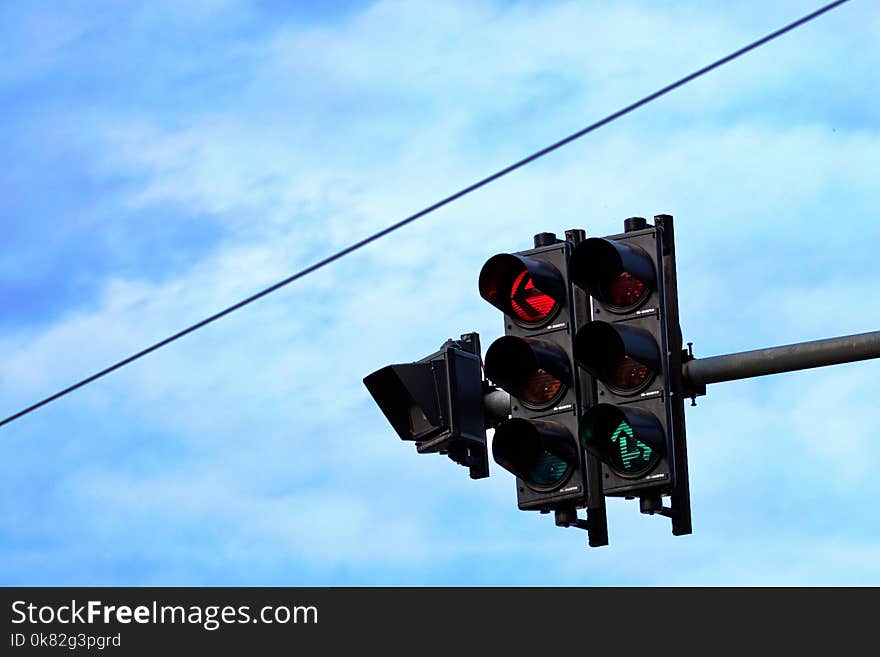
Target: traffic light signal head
[(621, 276), (542, 454), (625, 358), (537, 372), (437, 402), (629, 440), (529, 290), (632, 348), (534, 363), (625, 351), (584, 391)]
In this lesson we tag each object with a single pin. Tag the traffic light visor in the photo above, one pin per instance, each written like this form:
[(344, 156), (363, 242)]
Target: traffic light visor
[(437, 402), (542, 454), (535, 372), (625, 358), (619, 275), (407, 396), (526, 289)]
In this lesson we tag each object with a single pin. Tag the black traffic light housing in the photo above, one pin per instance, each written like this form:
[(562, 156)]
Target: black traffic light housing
[(534, 363), (584, 390), (633, 349), (437, 402)]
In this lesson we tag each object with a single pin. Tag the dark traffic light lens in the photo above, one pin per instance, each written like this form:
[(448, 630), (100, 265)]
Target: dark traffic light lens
[(624, 358), (530, 304), (624, 291), (629, 375), (418, 421), (535, 372), (546, 471), (619, 274), (540, 388), (543, 454)]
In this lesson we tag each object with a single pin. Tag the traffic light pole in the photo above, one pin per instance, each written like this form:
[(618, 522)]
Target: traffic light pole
[(698, 372)]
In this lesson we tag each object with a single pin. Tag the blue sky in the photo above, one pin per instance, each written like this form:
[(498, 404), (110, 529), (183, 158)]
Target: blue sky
[(162, 160)]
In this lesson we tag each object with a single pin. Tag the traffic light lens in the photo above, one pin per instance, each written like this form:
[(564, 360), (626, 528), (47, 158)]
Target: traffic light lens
[(542, 454), (629, 441), (619, 274), (629, 454), (535, 372), (540, 388), (547, 471), (530, 304), (625, 290), (624, 358), (418, 421), (629, 375)]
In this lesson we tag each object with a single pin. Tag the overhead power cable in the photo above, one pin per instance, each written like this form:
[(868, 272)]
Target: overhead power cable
[(435, 206)]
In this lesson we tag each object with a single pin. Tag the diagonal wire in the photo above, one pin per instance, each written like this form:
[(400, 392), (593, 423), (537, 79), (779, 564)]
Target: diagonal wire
[(439, 204)]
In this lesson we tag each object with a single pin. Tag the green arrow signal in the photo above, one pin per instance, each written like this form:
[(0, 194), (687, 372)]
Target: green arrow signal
[(639, 451)]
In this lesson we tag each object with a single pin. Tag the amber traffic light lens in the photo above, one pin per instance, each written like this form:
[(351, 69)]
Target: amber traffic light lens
[(624, 358), (539, 388), (535, 372), (629, 375)]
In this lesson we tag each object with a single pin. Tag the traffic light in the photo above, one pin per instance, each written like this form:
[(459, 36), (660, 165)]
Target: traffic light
[(632, 348), (584, 390), (438, 402), (534, 363)]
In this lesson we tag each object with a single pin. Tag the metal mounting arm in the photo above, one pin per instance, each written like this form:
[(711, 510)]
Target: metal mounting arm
[(698, 372)]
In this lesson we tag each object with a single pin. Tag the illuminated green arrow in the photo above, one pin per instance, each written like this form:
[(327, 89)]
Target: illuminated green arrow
[(641, 450)]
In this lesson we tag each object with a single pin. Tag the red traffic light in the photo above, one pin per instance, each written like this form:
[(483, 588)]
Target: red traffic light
[(529, 304), (530, 291)]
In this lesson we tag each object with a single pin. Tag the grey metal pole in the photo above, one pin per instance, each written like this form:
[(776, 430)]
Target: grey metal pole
[(788, 358)]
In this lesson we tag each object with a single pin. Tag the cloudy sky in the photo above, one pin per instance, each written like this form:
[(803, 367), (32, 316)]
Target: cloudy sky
[(162, 160)]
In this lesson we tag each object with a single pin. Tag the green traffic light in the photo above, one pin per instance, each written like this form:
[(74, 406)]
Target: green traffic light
[(631, 455), (628, 440)]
